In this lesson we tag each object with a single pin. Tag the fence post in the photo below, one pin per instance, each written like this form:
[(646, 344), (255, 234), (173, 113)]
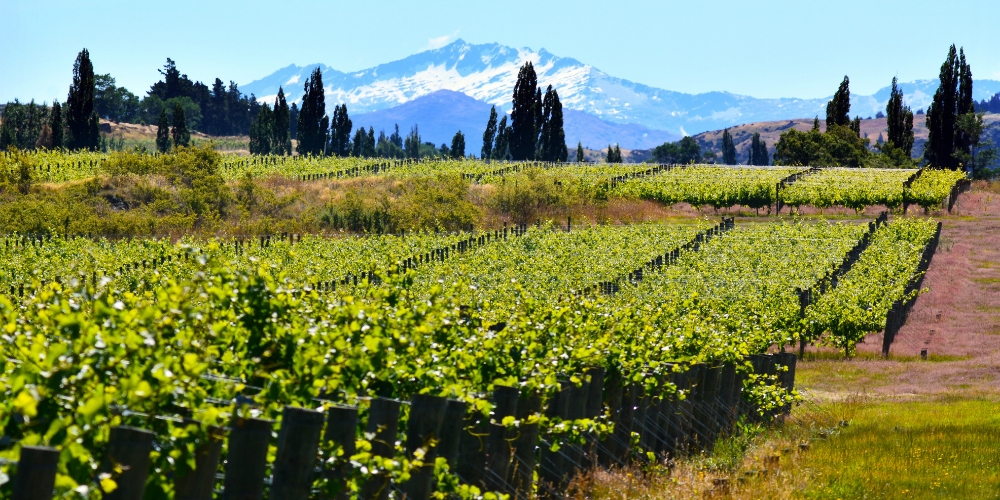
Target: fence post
[(199, 483), (341, 430), (129, 447), (595, 407), (295, 461), (607, 448), (35, 478), (383, 423), (451, 432), (424, 425), (553, 463), (246, 459), (472, 449), (522, 474), (727, 401), (498, 446)]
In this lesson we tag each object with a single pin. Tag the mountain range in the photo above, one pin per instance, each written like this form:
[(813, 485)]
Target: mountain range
[(599, 108)]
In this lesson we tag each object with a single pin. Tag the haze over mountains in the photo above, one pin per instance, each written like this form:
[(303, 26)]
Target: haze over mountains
[(599, 108)]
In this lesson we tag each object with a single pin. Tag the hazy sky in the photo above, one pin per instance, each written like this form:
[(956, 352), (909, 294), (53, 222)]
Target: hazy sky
[(764, 48)]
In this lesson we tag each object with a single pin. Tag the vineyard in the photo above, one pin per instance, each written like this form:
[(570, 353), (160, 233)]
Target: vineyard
[(472, 364)]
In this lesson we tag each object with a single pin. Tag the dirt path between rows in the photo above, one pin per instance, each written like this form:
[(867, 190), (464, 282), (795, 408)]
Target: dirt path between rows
[(957, 321)]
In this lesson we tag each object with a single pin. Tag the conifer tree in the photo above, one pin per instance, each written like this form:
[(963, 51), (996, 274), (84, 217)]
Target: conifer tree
[(56, 124), (313, 123), (163, 132), (838, 109), (816, 124), (501, 149), (946, 142), (412, 143), (293, 120), (618, 154), (370, 144), (856, 125), (281, 139), (580, 156), (262, 132), (360, 138), (340, 131), (728, 148), (524, 122), (489, 135), (458, 145), (899, 119), (180, 133), (81, 119), (758, 151), (552, 140)]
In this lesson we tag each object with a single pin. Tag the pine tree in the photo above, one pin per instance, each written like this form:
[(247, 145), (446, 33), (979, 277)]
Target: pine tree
[(163, 132), (501, 149), (728, 148), (489, 135), (942, 115), (899, 119), (56, 124), (838, 109), (313, 121), (81, 119), (340, 131), (580, 156), (180, 133), (281, 140), (458, 145), (523, 119)]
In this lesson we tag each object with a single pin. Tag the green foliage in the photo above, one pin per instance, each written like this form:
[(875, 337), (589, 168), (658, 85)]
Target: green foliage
[(839, 146), (179, 132), (411, 145), (501, 149), (681, 152), (114, 103), (552, 137), (899, 119), (838, 109), (163, 132), (313, 122), (524, 123), (22, 125), (262, 132), (952, 99), (728, 148), (458, 145), (580, 156), (81, 119), (281, 141), (340, 133), (758, 151), (489, 135)]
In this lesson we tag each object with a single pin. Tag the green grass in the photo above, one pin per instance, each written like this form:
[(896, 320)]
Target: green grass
[(935, 449)]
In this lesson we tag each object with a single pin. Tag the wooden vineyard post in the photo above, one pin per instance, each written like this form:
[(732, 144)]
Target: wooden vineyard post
[(727, 401), (472, 449), (451, 432), (595, 407), (199, 483), (383, 423), (341, 430), (424, 426), (498, 446), (35, 478), (607, 448), (521, 475), (577, 410), (128, 448), (295, 462), (247, 459), (553, 463)]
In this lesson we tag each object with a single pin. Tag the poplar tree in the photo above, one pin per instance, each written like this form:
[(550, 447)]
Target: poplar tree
[(489, 135), (458, 145), (340, 131), (281, 138), (501, 149), (180, 133), (360, 138), (313, 123), (728, 148), (758, 151), (411, 145), (552, 140), (580, 156), (56, 124), (262, 132), (163, 132), (899, 119), (81, 119), (856, 125), (523, 133), (953, 98), (838, 109), (370, 143)]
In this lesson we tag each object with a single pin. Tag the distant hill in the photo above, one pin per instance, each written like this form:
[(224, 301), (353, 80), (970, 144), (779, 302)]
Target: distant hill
[(487, 72), (440, 114)]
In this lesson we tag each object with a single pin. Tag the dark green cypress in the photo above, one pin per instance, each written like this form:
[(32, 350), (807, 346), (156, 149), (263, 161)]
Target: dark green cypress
[(728, 148), (360, 138), (552, 139), (580, 156), (856, 125), (281, 139), (313, 123), (56, 124), (816, 124), (899, 119), (163, 132), (501, 149), (965, 104), (942, 115), (838, 109), (758, 151), (523, 118), (370, 143), (81, 119), (340, 131), (618, 154), (489, 135), (458, 145), (262, 132), (180, 133)]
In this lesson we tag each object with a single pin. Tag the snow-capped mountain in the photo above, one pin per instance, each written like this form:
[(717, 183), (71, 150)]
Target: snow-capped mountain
[(487, 72)]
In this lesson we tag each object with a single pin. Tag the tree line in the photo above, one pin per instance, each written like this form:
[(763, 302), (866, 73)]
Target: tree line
[(536, 129)]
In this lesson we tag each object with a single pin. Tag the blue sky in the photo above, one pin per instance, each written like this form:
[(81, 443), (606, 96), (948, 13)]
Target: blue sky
[(763, 48)]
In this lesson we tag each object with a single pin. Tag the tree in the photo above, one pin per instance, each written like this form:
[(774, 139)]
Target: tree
[(683, 151), (281, 139), (360, 138), (524, 132), (369, 151), (838, 109), (552, 140), (313, 121), (856, 125), (728, 148), (114, 103), (952, 99), (340, 131), (180, 133), (57, 125), (758, 151), (445, 152), (839, 146), (262, 132), (163, 132), (501, 149), (293, 120), (580, 156), (458, 145), (22, 125), (81, 119), (982, 157), (489, 135), (614, 154), (816, 123), (899, 119), (412, 143)]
